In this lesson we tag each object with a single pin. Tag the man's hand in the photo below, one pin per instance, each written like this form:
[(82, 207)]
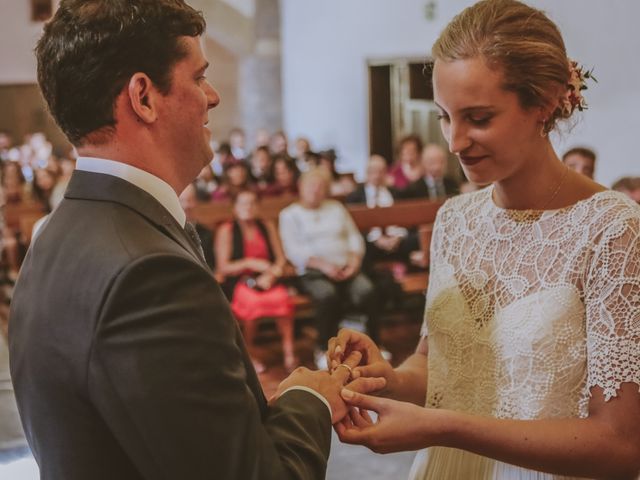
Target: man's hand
[(329, 385)]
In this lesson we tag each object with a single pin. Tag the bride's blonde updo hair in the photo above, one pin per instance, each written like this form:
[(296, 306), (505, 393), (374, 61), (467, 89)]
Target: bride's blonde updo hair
[(520, 40)]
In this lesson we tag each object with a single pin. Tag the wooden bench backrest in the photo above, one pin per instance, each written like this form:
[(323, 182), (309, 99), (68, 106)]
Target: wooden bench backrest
[(403, 213), (407, 213)]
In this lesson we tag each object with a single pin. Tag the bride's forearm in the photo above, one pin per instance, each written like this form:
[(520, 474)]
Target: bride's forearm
[(411, 385), (573, 447)]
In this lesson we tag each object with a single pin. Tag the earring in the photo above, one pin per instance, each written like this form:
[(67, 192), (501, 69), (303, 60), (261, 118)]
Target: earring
[(543, 129)]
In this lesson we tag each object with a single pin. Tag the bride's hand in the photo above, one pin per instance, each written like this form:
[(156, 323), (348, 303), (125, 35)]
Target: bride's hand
[(372, 364), (400, 426)]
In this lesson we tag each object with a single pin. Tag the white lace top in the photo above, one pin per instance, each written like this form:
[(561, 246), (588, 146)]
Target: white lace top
[(527, 310)]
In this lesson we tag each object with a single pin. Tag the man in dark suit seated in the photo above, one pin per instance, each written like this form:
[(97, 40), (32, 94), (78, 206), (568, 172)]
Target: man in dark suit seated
[(435, 184), (382, 243), (126, 359)]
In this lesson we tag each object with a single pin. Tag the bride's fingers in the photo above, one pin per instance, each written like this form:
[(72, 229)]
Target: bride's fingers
[(358, 419), (365, 415)]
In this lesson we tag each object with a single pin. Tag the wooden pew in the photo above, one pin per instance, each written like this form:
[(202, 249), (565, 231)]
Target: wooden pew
[(408, 214), (212, 214)]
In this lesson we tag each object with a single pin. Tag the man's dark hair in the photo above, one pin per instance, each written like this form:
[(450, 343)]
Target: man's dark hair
[(91, 48), (582, 151)]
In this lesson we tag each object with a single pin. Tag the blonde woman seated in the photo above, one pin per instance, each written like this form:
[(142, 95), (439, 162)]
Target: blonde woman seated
[(249, 255)]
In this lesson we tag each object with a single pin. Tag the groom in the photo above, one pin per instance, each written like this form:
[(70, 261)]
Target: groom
[(126, 360)]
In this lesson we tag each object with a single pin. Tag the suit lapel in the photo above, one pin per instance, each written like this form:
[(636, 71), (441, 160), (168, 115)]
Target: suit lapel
[(108, 188)]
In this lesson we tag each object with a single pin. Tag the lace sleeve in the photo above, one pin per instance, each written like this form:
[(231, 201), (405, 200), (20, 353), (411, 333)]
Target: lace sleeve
[(612, 301)]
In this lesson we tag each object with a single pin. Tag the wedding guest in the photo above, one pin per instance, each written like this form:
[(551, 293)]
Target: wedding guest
[(391, 242), (529, 363), (237, 143), (324, 245), (286, 176), (206, 183), (630, 186), (279, 143), (434, 184), (13, 183), (341, 185), (44, 182), (303, 151), (407, 167), (250, 258), (581, 160), (235, 177), (261, 165)]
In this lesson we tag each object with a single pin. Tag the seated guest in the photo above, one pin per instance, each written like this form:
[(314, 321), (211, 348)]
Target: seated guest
[(261, 165), (5, 145), (630, 186), (279, 144), (13, 183), (249, 255), (341, 185), (434, 184), (237, 143), (390, 242), (581, 160), (206, 183), (285, 175), (44, 182), (407, 167), (235, 177), (322, 241), (303, 151), (188, 200)]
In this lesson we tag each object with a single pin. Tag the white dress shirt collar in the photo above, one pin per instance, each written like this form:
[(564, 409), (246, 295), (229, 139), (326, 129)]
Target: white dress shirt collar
[(154, 186)]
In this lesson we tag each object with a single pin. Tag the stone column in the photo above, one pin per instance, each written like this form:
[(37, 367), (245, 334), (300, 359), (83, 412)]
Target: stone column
[(260, 89)]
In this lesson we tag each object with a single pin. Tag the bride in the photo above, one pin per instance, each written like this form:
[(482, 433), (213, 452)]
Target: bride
[(529, 360)]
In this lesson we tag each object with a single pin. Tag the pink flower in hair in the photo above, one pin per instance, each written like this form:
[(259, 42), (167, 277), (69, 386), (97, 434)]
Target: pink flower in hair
[(573, 97)]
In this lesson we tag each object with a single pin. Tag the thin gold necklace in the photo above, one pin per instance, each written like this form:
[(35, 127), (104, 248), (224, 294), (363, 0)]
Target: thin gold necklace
[(555, 193)]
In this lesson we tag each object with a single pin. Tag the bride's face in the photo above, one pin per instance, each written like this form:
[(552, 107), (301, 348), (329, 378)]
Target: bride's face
[(484, 124)]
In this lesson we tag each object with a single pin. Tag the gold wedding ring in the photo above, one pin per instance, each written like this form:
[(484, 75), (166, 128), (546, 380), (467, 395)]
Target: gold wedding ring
[(348, 368)]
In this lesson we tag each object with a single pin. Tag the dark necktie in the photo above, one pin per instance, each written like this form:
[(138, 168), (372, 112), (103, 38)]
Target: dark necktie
[(195, 238)]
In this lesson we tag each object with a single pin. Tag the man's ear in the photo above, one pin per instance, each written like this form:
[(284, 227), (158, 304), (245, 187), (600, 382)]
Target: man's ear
[(142, 97)]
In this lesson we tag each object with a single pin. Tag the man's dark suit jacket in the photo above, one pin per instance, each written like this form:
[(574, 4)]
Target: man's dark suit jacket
[(126, 359), (419, 189), (359, 195)]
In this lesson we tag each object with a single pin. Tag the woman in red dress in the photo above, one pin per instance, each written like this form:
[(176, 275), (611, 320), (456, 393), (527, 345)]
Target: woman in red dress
[(250, 257)]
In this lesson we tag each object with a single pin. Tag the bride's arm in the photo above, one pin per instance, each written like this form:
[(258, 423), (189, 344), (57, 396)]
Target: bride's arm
[(606, 444)]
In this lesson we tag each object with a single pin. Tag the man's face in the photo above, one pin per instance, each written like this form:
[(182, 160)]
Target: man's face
[(434, 161), (580, 164), (313, 191), (377, 171), (183, 113)]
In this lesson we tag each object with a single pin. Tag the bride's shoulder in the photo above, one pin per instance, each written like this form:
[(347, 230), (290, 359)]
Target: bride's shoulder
[(470, 201)]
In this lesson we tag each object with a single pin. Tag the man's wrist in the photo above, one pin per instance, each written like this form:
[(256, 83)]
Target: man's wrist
[(313, 392)]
